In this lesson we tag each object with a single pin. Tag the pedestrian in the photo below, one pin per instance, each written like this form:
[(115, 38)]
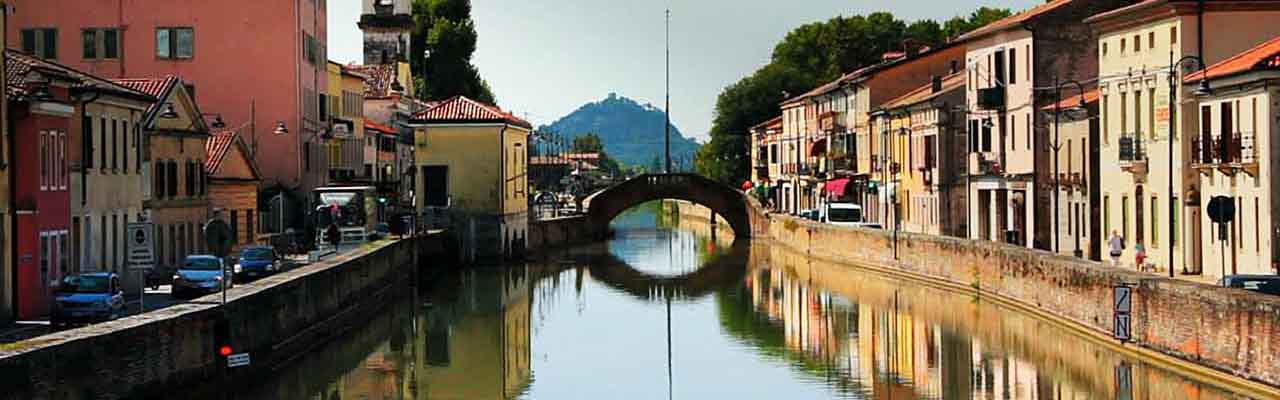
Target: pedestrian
[(1116, 245), (1140, 256)]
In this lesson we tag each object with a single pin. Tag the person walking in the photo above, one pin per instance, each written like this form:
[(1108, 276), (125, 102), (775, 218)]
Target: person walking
[(1116, 245)]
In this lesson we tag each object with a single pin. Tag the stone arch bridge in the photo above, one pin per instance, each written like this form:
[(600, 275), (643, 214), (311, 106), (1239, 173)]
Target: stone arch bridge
[(743, 213)]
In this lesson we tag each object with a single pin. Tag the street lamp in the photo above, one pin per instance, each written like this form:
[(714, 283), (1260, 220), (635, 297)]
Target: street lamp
[(1201, 91)]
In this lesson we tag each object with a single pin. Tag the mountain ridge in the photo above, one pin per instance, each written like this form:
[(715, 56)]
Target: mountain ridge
[(631, 132)]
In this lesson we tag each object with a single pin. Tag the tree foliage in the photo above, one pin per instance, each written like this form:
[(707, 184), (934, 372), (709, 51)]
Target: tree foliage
[(808, 56), (444, 30)]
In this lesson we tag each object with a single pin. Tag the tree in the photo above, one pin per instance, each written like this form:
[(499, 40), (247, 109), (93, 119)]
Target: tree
[(444, 30), (812, 54), (588, 143)]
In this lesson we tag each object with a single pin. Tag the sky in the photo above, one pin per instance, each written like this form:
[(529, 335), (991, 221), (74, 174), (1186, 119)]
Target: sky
[(545, 58)]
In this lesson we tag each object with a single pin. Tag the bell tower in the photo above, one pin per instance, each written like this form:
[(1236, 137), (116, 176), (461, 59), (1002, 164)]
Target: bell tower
[(386, 25)]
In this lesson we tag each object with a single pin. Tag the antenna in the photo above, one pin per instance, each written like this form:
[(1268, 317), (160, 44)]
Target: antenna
[(667, 127)]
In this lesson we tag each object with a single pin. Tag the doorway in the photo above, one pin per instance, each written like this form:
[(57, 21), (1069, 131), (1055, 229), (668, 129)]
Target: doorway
[(435, 185)]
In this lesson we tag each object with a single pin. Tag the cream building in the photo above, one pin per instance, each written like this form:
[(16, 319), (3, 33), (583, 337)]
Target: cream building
[(1233, 158), (1010, 64), (1076, 175), (930, 187), (1136, 47)]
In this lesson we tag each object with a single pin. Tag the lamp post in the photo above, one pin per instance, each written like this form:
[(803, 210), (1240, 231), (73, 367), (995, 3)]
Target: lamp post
[(1201, 91)]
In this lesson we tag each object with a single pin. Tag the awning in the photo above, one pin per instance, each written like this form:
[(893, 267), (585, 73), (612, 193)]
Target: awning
[(836, 186), (818, 147)]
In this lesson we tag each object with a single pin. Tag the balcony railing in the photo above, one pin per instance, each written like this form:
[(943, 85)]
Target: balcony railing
[(989, 164), (992, 98), (1238, 151), (1132, 148)]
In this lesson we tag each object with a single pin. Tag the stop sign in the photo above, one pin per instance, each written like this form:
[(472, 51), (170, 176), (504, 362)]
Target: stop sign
[(1221, 209)]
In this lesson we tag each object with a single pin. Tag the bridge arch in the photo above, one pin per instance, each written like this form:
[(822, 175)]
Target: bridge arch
[(745, 217), (723, 270)]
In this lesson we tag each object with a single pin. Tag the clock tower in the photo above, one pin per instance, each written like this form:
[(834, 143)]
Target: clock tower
[(386, 25)]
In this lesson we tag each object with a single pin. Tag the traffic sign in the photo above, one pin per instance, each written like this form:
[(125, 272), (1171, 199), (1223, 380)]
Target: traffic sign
[(1122, 301), (1122, 325), (1221, 209), (140, 246), (238, 360), (217, 234)]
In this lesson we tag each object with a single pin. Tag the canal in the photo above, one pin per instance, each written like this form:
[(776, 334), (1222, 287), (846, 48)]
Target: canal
[(671, 309)]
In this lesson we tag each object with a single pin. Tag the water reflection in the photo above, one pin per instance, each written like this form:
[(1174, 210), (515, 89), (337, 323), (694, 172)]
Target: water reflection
[(744, 320)]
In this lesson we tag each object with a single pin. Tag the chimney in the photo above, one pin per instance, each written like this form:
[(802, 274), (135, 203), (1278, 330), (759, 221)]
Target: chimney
[(937, 83)]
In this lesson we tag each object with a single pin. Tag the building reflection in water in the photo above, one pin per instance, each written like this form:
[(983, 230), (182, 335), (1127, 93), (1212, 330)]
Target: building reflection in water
[(881, 339)]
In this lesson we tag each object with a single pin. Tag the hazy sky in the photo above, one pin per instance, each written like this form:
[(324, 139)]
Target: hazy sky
[(547, 57)]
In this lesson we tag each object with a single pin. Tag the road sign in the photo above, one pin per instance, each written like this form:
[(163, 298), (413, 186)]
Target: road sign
[(141, 253), (1122, 300), (1221, 209), (238, 360), (217, 234)]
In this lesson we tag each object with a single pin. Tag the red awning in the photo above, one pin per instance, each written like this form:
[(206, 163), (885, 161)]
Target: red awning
[(818, 147), (836, 186)]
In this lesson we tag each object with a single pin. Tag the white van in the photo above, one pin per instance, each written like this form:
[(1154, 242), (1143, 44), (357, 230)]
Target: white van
[(843, 214)]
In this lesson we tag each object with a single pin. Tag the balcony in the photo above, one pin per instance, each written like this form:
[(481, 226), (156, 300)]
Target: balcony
[(985, 164), (1133, 154), (831, 122), (1237, 152), (992, 98)]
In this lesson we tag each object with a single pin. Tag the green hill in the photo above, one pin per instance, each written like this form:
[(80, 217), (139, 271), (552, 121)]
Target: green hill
[(632, 132)]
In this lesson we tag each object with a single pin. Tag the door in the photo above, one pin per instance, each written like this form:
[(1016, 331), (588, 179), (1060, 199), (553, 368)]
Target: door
[(435, 185), (1195, 264), (1138, 215)]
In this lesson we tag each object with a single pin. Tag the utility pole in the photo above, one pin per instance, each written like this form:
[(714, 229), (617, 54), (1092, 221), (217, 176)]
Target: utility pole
[(667, 127)]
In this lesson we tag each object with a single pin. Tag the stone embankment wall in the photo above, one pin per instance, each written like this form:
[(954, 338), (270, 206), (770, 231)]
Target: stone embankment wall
[(1234, 332), (558, 232), (274, 319)]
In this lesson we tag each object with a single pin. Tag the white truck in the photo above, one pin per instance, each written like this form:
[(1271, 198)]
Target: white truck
[(843, 214)]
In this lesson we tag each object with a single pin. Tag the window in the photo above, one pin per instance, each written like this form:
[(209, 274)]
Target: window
[(102, 243), (1124, 113), (306, 156), (86, 153), (100, 43), (1013, 136), (1124, 217), (1123, 44), (1173, 35), (102, 140), (1104, 49), (248, 224), (157, 170), (1151, 112), (175, 43), (1173, 222), (137, 148), (324, 107), (44, 160), (115, 145), (124, 146), (1103, 123), (115, 238), (1155, 222), (1137, 113), (1013, 66), (172, 175), (1137, 43), (1151, 40), (235, 226), (1106, 216), (309, 47), (190, 179), (1000, 77), (1257, 220), (1028, 123), (41, 42)]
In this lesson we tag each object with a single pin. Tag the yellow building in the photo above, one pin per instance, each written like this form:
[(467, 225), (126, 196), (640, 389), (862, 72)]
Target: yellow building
[(174, 183), (1076, 176), (1136, 45), (928, 184), (473, 159), (346, 119)]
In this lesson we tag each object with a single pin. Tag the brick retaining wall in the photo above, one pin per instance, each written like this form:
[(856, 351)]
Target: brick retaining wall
[(1230, 330), (163, 351)]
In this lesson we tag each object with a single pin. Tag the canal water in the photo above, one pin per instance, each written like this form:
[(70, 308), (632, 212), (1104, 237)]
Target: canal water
[(671, 309)]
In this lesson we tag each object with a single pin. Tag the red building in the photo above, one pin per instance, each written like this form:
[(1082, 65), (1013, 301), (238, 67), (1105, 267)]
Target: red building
[(264, 60)]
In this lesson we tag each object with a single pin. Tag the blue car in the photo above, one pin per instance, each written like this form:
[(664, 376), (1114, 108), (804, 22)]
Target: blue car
[(256, 262), (199, 275), (92, 297)]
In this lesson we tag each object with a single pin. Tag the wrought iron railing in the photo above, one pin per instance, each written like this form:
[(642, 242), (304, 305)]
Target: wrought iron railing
[(1132, 148)]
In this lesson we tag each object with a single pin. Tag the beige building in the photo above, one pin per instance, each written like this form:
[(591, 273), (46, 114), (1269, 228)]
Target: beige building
[(174, 182), (1075, 175), (1233, 158), (346, 147), (766, 164), (1136, 47), (107, 182), (473, 159), (1010, 64), (930, 182)]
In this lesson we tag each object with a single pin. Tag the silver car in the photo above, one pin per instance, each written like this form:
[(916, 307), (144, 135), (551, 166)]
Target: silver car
[(200, 275)]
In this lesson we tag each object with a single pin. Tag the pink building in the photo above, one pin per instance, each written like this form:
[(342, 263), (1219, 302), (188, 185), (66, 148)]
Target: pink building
[(258, 64)]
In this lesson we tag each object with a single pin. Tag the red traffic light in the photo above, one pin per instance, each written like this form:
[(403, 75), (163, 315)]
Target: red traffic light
[(224, 350)]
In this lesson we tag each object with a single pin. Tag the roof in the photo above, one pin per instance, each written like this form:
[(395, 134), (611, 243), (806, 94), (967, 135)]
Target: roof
[(1014, 21), (1090, 96), (18, 65), (926, 93), (219, 145), (158, 88), (771, 123), (460, 109), (378, 78), (1262, 56), (370, 124), (582, 156)]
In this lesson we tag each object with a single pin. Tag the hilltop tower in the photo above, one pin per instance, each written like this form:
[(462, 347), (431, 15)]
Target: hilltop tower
[(386, 25)]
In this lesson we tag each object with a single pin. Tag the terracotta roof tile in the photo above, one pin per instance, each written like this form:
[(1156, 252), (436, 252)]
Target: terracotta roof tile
[(156, 87), (1262, 56), (1014, 20), (463, 109), (18, 65), (217, 147), (925, 93), (378, 79), (775, 122), (371, 125), (1090, 96)]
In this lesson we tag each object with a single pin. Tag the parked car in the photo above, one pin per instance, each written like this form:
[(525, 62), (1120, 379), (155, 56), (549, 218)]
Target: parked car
[(381, 230), (1266, 284), (256, 261), (811, 215), (91, 297), (200, 274)]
